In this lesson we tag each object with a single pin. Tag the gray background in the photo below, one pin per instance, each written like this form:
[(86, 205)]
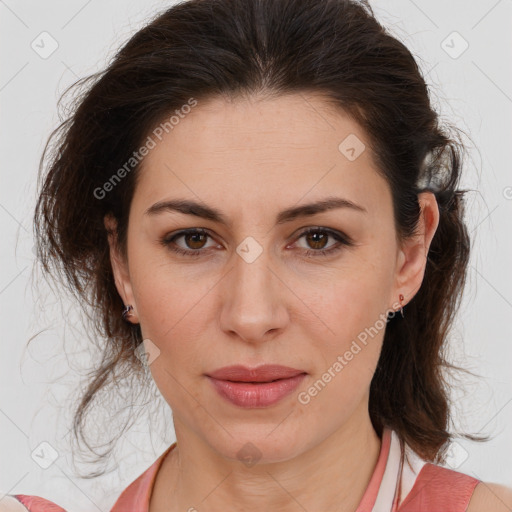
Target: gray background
[(473, 89)]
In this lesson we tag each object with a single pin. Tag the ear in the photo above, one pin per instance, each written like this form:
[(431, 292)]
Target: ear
[(412, 254), (120, 268)]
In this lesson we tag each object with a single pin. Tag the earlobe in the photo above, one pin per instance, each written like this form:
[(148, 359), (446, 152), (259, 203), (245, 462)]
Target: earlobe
[(120, 270)]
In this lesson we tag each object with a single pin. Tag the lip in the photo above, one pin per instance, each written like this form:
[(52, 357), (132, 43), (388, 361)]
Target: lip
[(255, 387), (262, 373)]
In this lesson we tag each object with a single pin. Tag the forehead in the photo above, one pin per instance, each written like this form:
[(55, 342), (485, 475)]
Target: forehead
[(257, 151)]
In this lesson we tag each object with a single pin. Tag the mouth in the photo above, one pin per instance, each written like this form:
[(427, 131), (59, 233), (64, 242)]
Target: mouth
[(255, 388), (260, 374), (257, 381)]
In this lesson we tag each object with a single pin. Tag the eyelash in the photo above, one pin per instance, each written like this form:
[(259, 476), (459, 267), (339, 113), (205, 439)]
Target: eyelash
[(342, 239)]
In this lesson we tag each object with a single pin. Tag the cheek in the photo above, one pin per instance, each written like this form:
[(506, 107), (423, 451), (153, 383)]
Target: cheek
[(172, 318), (347, 300), (168, 295), (174, 321), (175, 313), (350, 307), (346, 360)]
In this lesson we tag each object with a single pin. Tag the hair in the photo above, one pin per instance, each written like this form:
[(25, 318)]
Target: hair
[(203, 49)]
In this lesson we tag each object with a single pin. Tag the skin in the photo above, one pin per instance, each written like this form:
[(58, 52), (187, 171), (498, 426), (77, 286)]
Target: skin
[(252, 158), (491, 497)]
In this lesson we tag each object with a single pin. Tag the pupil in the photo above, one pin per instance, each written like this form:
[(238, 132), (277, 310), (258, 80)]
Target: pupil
[(322, 236), (195, 236)]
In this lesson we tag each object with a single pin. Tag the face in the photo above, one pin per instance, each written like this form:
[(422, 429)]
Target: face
[(258, 288)]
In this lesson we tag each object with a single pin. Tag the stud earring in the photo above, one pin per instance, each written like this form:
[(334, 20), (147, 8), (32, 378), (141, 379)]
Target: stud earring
[(401, 298), (127, 311)]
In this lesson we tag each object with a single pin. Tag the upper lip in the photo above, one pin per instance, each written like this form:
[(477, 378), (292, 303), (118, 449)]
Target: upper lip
[(262, 373)]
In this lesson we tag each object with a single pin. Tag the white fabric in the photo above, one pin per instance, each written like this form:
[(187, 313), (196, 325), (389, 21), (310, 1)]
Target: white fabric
[(387, 489), (410, 473), (395, 473)]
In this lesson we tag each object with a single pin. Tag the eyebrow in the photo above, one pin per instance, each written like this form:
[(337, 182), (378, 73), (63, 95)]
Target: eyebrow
[(189, 207)]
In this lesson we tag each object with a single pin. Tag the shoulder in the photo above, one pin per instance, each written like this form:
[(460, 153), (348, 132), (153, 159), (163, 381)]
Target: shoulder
[(439, 488), (24, 503), (491, 497), (10, 504)]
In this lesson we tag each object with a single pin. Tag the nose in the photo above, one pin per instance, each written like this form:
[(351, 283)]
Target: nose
[(253, 300)]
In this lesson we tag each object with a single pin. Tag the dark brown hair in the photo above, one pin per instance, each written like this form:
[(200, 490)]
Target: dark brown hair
[(201, 49)]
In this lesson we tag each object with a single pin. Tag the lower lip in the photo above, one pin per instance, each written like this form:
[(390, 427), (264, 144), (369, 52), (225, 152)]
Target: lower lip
[(251, 395)]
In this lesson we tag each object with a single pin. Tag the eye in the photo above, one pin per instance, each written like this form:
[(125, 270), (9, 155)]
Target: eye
[(194, 238), (317, 237)]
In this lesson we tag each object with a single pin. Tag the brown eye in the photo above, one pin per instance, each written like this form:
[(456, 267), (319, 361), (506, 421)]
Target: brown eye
[(317, 239), (195, 240)]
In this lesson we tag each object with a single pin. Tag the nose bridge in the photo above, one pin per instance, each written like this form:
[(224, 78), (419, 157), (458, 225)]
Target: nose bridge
[(251, 305), (252, 270)]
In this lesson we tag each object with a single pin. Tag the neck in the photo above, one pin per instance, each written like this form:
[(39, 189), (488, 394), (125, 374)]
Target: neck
[(332, 475)]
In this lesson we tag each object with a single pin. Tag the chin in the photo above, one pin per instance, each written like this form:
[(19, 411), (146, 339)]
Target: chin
[(264, 444)]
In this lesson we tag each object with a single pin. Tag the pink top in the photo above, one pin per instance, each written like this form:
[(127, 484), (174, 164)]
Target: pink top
[(397, 484)]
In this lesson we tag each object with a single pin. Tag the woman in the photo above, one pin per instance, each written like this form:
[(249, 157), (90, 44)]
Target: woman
[(258, 201)]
